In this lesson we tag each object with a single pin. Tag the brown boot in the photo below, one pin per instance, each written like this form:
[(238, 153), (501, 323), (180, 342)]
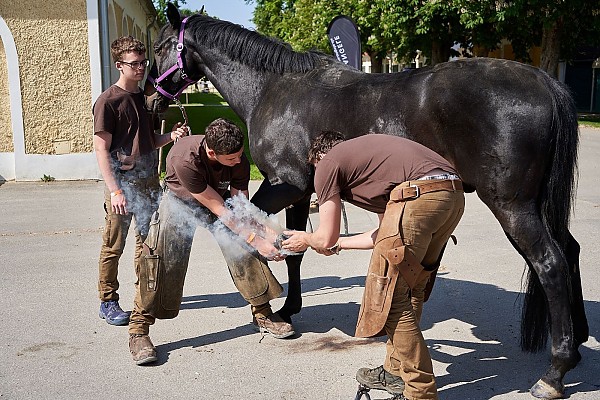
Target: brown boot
[(275, 325), (141, 348)]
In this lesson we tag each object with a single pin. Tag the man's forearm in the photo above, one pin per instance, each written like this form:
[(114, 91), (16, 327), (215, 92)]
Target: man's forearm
[(363, 241), (105, 167), (161, 140), (318, 241)]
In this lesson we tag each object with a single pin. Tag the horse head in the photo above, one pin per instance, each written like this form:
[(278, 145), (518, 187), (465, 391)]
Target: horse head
[(176, 65)]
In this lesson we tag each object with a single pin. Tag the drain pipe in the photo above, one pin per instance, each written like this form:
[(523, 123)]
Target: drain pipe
[(104, 44)]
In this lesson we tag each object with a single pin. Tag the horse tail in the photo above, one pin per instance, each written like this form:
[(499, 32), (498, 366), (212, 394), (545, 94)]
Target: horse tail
[(555, 202)]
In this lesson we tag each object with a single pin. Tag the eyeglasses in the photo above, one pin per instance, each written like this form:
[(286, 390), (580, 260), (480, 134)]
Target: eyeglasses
[(137, 64)]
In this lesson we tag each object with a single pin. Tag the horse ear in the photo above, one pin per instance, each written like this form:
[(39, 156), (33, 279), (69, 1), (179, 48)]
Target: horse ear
[(201, 11), (173, 16)]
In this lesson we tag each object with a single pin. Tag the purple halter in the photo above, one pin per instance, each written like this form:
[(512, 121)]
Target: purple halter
[(179, 65)]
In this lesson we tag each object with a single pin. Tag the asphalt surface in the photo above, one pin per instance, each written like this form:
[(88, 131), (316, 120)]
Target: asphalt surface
[(54, 346)]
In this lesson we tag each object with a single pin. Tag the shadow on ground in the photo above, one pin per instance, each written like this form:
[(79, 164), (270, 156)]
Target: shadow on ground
[(482, 350)]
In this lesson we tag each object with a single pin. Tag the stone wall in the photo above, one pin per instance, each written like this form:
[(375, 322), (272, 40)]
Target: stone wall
[(52, 45)]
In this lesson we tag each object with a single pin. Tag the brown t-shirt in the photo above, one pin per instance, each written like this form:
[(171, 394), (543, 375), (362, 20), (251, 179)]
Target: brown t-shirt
[(190, 171), (123, 114), (364, 170)]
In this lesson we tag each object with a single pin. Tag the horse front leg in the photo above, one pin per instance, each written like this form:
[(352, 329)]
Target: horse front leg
[(547, 297), (296, 218), (272, 199)]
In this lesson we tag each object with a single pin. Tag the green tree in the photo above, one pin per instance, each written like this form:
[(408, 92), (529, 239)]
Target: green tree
[(559, 27), (303, 24), (438, 26)]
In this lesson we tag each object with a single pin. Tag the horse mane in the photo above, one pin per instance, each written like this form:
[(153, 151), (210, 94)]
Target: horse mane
[(251, 48)]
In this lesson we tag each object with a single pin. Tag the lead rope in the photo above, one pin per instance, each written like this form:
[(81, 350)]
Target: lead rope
[(183, 113)]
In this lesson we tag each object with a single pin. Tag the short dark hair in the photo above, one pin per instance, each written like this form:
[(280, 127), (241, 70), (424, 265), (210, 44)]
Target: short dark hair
[(224, 137), (323, 143), (126, 44)]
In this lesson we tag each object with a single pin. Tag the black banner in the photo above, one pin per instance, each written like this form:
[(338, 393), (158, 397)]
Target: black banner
[(345, 41)]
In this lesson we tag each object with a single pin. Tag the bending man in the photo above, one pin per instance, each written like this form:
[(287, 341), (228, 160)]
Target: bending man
[(203, 171), (419, 200)]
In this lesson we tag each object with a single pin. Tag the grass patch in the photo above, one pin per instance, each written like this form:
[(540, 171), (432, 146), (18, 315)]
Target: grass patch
[(592, 120), (207, 107)]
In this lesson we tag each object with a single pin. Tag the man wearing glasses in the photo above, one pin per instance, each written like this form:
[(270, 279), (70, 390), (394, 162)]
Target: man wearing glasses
[(125, 143)]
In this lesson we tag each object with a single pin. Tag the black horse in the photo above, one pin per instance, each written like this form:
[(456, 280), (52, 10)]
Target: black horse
[(508, 128)]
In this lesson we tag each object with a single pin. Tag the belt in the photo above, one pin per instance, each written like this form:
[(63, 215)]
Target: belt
[(413, 189), (440, 176)]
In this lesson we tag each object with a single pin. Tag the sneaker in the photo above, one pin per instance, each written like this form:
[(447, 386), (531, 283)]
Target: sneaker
[(112, 313), (275, 325), (141, 348), (379, 378)]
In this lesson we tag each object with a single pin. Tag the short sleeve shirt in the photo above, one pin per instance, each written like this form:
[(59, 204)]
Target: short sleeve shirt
[(364, 170), (190, 171), (123, 114)]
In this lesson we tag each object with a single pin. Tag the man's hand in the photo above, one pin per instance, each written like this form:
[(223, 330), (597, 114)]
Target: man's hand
[(179, 130), (118, 202), (296, 243), (267, 249), (329, 251)]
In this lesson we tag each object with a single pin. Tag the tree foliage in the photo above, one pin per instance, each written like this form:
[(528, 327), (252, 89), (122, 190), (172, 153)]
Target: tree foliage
[(439, 27)]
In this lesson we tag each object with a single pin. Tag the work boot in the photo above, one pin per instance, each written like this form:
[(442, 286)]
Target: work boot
[(141, 349), (275, 325), (379, 378), (112, 313)]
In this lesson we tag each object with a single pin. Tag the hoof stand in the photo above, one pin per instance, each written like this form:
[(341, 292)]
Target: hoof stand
[(362, 392)]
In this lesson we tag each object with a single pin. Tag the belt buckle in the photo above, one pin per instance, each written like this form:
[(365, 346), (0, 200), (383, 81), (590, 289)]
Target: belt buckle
[(418, 191)]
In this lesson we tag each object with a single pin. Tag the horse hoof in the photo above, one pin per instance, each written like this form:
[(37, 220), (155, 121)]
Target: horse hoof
[(543, 390)]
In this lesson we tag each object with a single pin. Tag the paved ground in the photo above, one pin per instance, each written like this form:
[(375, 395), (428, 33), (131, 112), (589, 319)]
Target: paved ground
[(54, 346)]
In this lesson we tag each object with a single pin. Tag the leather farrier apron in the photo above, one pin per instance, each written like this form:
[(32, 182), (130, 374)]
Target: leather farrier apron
[(164, 267), (391, 258)]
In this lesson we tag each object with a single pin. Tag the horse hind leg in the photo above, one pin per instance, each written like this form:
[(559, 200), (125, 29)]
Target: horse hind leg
[(580, 324), (548, 290)]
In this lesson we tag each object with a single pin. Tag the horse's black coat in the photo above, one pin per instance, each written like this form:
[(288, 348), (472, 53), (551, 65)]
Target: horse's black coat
[(508, 128)]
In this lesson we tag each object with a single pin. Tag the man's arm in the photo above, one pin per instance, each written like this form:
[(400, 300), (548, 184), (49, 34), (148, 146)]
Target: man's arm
[(323, 239), (363, 241), (179, 131), (102, 142), (325, 236)]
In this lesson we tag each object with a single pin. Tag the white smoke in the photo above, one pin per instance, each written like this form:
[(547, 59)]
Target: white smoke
[(255, 219)]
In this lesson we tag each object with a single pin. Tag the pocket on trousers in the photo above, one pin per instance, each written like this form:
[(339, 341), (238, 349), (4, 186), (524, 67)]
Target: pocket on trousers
[(151, 266), (153, 231), (160, 292), (376, 289)]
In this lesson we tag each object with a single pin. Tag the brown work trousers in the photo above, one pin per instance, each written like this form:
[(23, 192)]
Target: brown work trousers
[(426, 225), (176, 222), (142, 196)]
